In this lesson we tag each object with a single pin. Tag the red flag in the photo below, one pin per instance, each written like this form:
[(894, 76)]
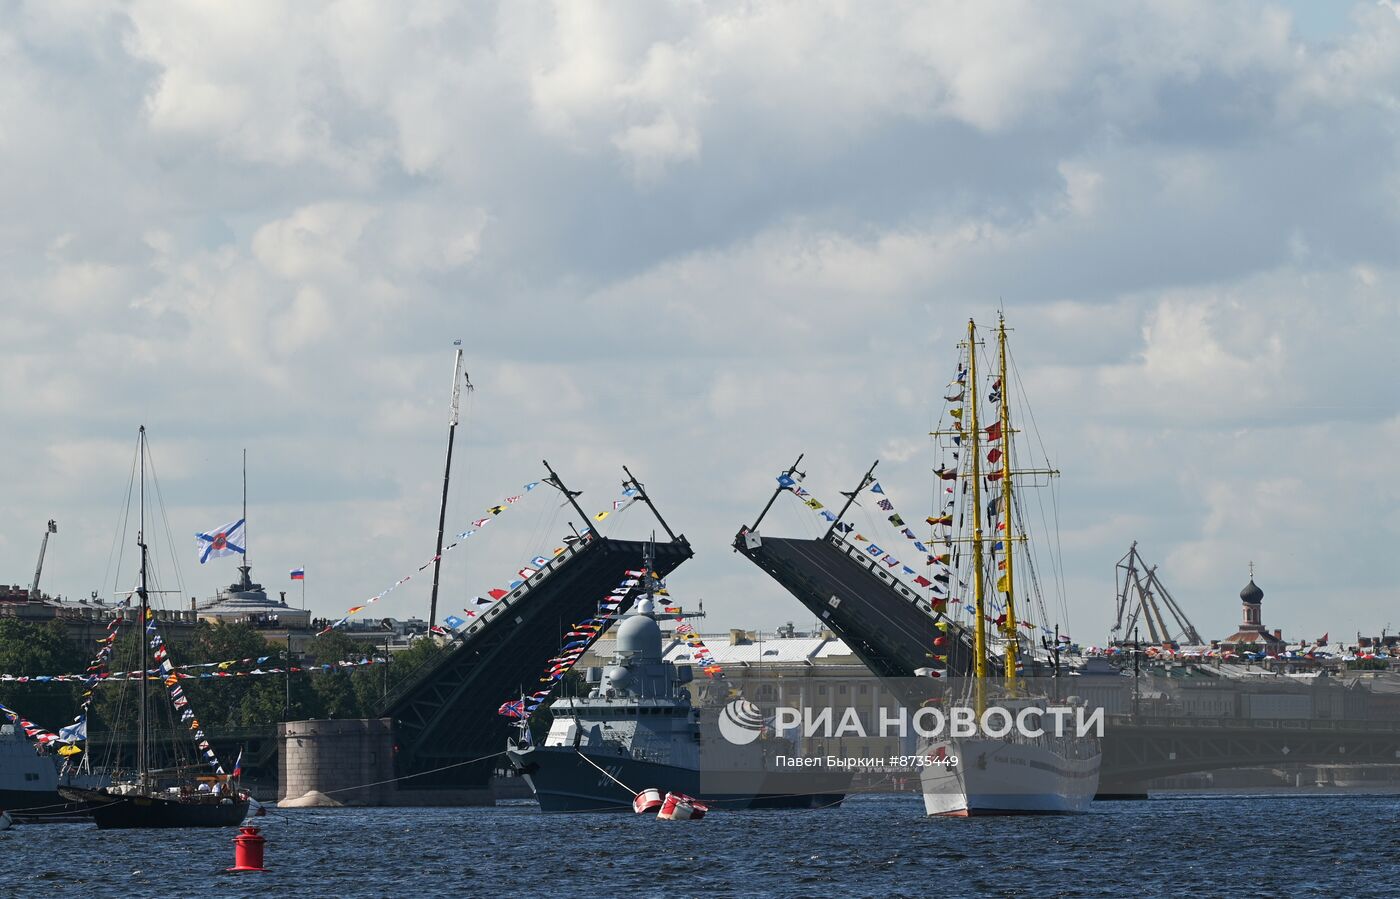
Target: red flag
[(497, 593), (994, 432), (994, 455), (1323, 641), (923, 581)]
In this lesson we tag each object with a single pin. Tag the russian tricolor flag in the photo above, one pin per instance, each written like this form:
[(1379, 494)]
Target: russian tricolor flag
[(298, 574)]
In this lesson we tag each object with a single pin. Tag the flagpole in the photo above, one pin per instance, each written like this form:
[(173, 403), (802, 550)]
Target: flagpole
[(245, 505)]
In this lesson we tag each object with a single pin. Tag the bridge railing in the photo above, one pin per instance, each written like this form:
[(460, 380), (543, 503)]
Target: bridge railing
[(1349, 725), (424, 670)]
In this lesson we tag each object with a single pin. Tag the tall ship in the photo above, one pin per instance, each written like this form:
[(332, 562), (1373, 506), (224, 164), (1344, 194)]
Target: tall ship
[(637, 729), (1054, 771), (165, 789)]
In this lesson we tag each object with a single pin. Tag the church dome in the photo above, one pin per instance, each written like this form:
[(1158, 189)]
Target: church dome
[(1251, 592)]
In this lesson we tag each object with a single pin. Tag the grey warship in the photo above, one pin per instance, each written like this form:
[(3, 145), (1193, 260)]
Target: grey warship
[(637, 728)]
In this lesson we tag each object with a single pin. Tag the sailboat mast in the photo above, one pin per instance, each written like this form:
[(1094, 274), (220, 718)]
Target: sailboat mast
[(457, 378), (142, 763), (979, 662), (1011, 633)]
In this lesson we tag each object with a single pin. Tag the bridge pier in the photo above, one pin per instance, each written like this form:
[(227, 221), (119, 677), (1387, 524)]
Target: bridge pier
[(1121, 790), (351, 762)]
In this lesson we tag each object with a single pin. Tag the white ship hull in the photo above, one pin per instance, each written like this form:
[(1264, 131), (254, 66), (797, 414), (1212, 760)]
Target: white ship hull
[(996, 777)]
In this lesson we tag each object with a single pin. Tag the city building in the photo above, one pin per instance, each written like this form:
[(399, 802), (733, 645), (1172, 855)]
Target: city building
[(1251, 632)]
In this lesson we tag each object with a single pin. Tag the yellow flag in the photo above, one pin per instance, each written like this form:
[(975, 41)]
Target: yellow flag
[(956, 413), (1002, 585), (601, 515), (814, 504), (69, 750)]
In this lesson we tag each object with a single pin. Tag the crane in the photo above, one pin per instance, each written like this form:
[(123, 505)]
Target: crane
[(1138, 595), (39, 569)]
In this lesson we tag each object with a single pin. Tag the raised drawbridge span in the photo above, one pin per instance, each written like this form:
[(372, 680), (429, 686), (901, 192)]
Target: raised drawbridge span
[(889, 626), (446, 712)]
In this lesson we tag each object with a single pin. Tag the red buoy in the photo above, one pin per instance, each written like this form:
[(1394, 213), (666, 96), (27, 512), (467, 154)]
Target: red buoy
[(248, 850), (680, 807), (649, 800)]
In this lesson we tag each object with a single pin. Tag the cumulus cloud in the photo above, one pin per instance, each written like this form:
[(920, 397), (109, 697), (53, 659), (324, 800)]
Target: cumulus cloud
[(703, 238)]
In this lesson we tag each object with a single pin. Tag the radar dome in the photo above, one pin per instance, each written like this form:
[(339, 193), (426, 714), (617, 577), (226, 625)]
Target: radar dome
[(618, 677), (639, 635)]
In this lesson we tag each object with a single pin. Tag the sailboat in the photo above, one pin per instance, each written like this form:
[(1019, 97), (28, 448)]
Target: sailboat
[(168, 797), (1023, 770)]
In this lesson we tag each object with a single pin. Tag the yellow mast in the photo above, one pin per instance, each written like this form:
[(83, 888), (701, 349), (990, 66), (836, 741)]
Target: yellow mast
[(979, 662), (1010, 632)]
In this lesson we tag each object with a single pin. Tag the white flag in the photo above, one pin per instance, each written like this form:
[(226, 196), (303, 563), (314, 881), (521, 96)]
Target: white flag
[(74, 732), (224, 541)]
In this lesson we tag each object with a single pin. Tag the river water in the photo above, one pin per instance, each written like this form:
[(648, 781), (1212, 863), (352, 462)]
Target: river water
[(1294, 846)]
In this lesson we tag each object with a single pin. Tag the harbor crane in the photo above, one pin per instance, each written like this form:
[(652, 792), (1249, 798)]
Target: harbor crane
[(1139, 590), (39, 569)]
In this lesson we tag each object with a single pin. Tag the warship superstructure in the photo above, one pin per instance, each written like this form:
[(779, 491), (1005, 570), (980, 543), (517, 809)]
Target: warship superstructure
[(637, 729), (29, 782)]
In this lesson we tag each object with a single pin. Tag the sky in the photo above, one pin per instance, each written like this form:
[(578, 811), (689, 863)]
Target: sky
[(698, 239)]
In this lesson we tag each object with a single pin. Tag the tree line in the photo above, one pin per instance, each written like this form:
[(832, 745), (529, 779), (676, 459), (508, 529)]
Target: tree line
[(34, 648)]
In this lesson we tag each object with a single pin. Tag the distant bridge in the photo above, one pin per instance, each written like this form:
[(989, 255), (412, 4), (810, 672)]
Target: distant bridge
[(1137, 750)]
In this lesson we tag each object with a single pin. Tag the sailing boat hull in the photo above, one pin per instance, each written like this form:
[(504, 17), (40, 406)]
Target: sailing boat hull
[(116, 812), (996, 777)]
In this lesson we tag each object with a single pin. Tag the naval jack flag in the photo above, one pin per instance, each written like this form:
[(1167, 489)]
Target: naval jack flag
[(224, 541)]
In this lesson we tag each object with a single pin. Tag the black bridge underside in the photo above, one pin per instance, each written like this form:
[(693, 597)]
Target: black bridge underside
[(889, 628), (447, 713)]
